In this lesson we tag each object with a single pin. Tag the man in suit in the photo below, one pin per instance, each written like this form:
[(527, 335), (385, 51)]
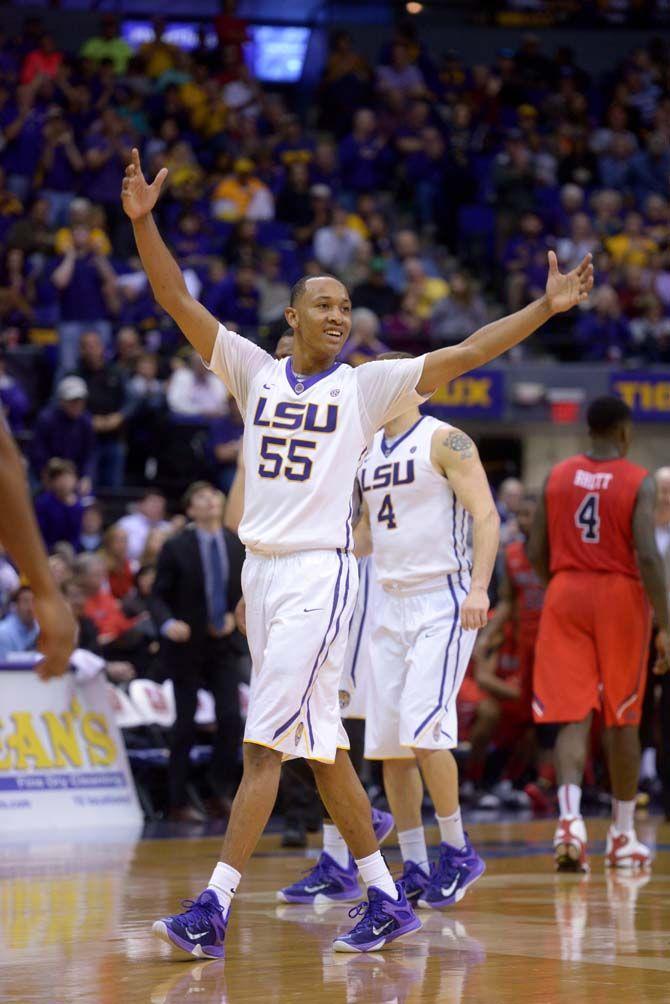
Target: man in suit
[(194, 595)]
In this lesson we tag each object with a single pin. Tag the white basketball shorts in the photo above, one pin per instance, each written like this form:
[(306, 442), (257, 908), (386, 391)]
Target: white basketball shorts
[(353, 687), (419, 655), (298, 609)]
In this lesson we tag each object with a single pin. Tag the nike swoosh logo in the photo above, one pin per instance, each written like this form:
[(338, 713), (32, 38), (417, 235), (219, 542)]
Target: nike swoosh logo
[(315, 888), (310, 610), (380, 930), (452, 888), (195, 937), (268, 386)]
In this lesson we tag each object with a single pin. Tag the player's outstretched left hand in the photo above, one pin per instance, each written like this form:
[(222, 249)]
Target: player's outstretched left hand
[(474, 612), (566, 291)]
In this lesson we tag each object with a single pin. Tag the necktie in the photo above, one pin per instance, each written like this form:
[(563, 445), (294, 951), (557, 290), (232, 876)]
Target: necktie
[(217, 600)]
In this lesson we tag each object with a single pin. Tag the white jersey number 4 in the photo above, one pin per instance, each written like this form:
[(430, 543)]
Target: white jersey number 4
[(386, 513)]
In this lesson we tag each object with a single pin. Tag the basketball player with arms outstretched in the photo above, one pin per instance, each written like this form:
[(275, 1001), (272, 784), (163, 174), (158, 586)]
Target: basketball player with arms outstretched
[(308, 420), (593, 541), (20, 535), (334, 874)]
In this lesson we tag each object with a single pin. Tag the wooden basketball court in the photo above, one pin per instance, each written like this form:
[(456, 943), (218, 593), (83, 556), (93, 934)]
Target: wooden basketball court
[(75, 926)]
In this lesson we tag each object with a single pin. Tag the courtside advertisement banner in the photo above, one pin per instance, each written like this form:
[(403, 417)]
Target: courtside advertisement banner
[(63, 763)]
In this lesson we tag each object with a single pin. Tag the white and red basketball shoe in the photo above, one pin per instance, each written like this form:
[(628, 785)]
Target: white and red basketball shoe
[(570, 845), (624, 850)]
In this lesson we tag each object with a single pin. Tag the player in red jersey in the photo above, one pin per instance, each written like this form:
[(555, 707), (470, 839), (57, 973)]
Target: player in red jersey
[(506, 710), (521, 598), (593, 540)]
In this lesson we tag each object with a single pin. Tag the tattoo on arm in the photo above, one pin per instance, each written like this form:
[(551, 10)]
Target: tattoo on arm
[(460, 443)]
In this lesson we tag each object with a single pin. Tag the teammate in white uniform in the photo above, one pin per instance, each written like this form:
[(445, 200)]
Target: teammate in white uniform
[(307, 422), (422, 483), (354, 683)]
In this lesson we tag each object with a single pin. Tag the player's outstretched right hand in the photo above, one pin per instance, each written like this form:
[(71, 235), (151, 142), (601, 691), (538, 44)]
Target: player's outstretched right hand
[(58, 633), (137, 195)]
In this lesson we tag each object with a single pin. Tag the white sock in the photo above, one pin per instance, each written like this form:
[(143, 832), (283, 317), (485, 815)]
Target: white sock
[(451, 829), (569, 800), (224, 882), (622, 815), (413, 846), (374, 872), (333, 844)]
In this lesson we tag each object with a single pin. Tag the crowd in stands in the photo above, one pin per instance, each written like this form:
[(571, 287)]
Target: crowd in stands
[(106, 573), (432, 187)]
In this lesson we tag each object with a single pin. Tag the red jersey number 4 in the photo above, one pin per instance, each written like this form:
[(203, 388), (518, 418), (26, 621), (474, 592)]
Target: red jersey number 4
[(587, 519)]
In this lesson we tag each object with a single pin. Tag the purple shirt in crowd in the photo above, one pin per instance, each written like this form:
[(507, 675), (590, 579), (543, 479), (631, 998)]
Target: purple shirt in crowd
[(58, 520), (104, 184), (364, 164), (22, 154), (14, 401), (602, 338), (61, 177), (58, 435), (82, 298)]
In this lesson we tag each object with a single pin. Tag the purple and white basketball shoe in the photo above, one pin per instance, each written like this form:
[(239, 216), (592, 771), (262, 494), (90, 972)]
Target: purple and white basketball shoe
[(327, 880), (382, 824), (384, 920), (415, 881), (199, 931), (453, 873)]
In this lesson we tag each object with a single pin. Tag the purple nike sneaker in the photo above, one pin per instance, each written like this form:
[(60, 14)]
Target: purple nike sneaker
[(415, 881), (453, 873), (199, 931), (384, 920), (382, 824), (326, 881)]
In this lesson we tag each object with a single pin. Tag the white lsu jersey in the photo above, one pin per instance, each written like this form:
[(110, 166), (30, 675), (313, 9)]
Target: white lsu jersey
[(419, 528), (303, 439)]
